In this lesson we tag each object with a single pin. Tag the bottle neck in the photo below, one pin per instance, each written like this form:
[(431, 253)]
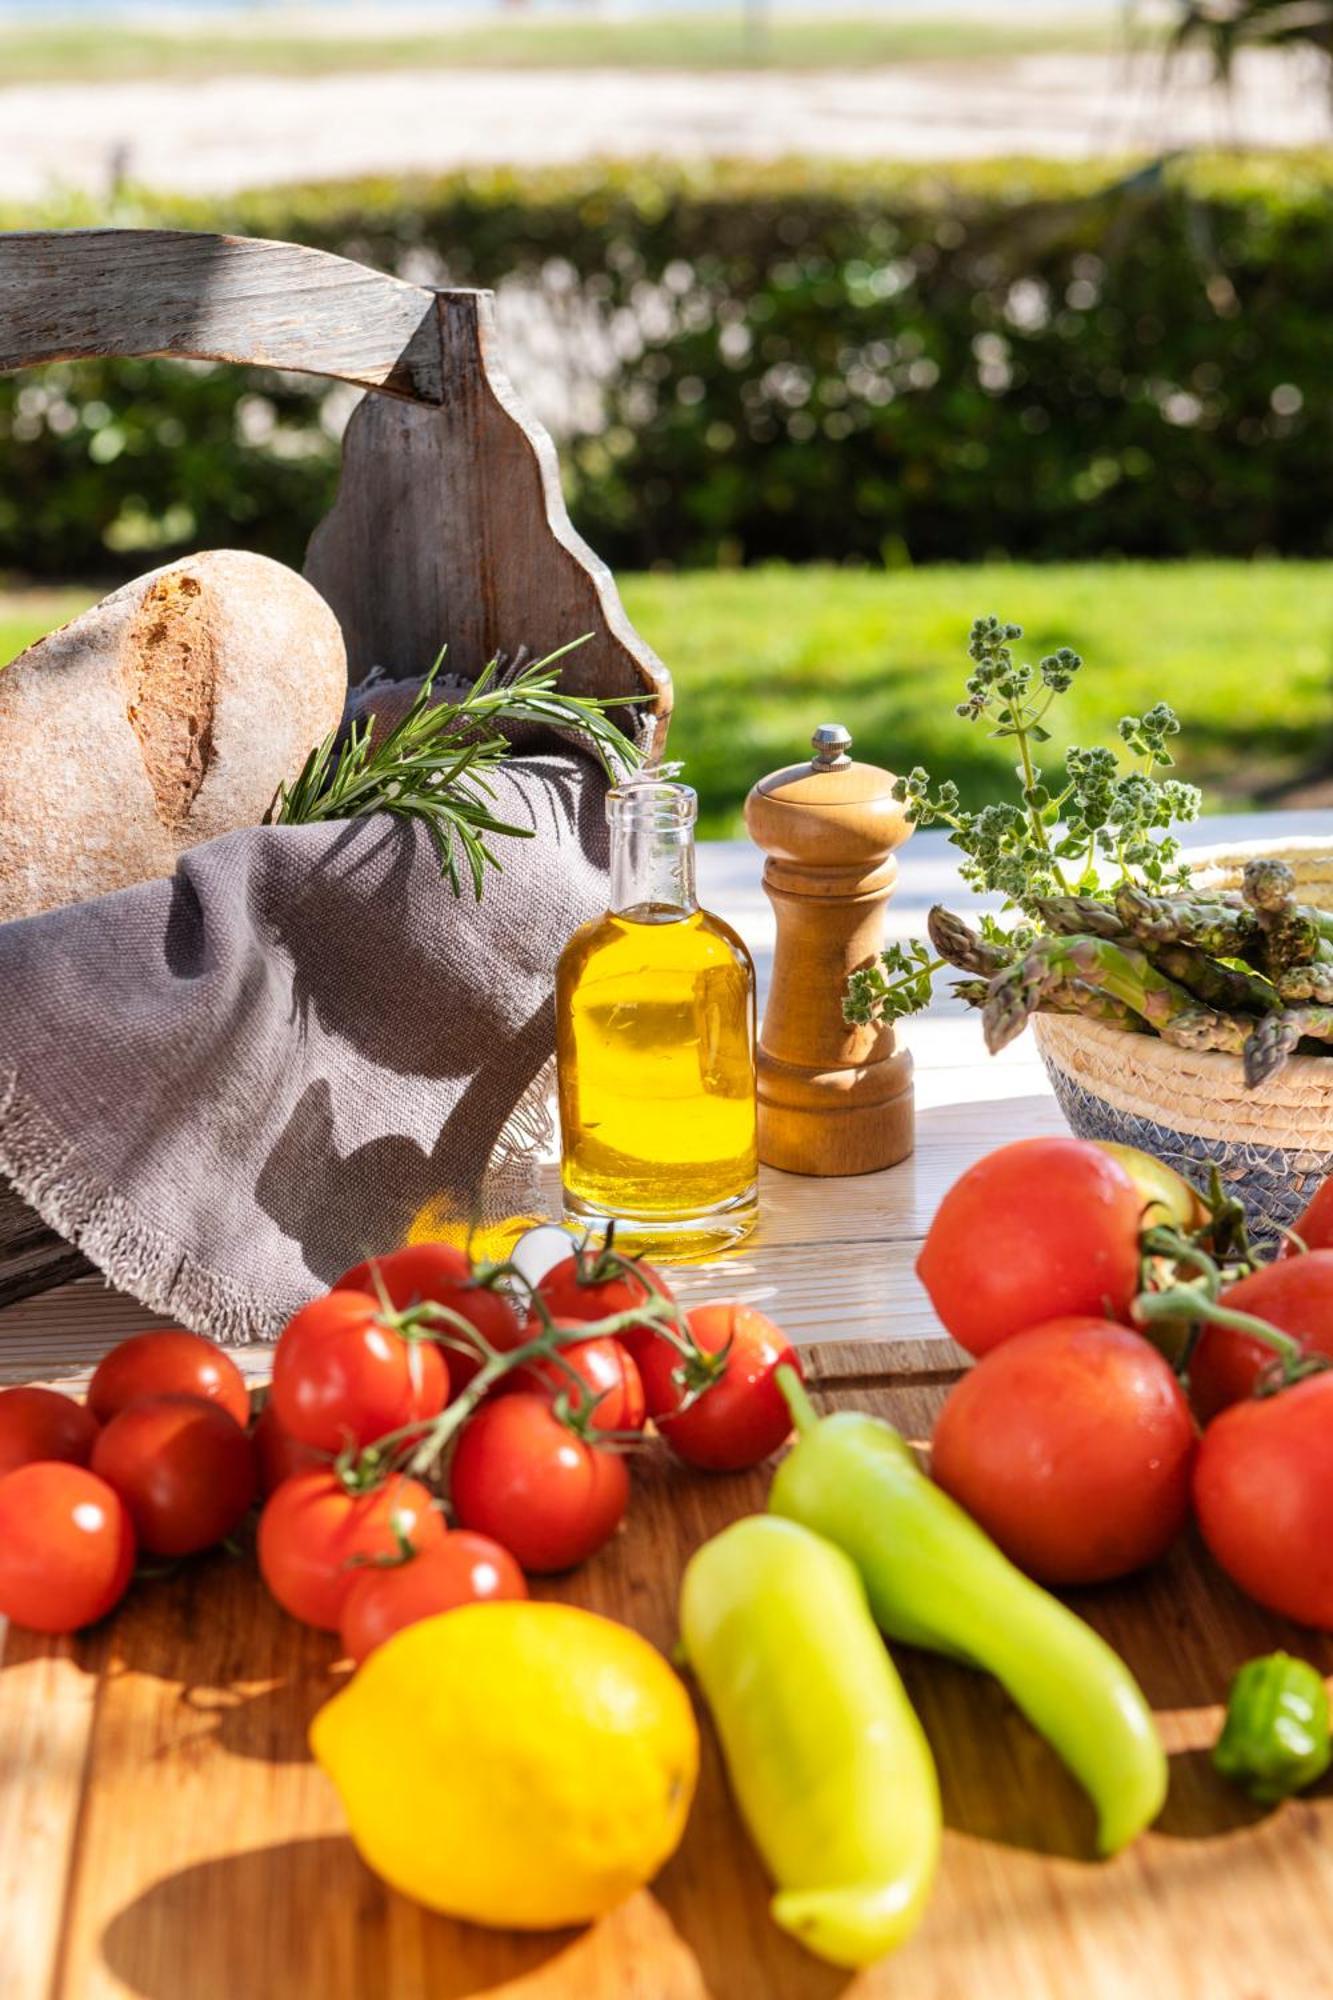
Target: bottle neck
[(652, 850)]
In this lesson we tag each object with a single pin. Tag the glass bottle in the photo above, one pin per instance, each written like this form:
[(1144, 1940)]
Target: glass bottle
[(655, 1045)]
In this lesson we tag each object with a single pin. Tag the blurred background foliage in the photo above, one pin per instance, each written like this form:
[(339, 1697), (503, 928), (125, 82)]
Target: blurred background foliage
[(877, 365)]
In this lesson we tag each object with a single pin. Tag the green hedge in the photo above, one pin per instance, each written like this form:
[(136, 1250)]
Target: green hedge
[(872, 364)]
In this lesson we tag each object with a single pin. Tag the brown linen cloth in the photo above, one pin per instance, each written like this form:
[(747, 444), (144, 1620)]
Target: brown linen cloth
[(227, 1087)]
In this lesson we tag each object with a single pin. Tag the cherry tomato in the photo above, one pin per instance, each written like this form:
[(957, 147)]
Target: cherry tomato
[(1038, 1230), (66, 1547), (1071, 1444), (1263, 1496), (1315, 1225), (42, 1424), (1296, 1296), (343, 1374), (185, 1470), (594, 1284), (438, 1274), (738, 1417), (522, 1477), (312, 1532), (167, 1363), (608, 1385), (279, 1456), (462, 1569)]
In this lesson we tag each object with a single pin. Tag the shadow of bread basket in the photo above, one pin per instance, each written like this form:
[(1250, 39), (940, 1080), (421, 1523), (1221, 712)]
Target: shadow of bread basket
[(1272, 1146)]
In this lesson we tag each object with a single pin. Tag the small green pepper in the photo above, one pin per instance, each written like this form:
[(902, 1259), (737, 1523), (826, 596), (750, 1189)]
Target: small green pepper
[(934, 1579), (828, 1762), (1275, 1739)]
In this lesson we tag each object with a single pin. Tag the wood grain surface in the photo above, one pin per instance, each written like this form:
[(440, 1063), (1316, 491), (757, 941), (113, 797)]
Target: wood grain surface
[(164, 1835)]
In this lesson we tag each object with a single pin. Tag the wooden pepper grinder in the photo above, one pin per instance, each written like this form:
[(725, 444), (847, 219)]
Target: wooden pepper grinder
[(833, 1098)]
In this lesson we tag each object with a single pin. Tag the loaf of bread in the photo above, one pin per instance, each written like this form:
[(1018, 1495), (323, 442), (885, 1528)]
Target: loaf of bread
[(168, 713)]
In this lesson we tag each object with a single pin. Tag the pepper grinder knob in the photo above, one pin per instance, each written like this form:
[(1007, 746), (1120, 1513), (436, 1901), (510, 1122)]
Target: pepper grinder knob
[(834, 1098)]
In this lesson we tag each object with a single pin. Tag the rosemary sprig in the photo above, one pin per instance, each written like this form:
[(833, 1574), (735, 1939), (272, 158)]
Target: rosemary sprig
[(432, 765)]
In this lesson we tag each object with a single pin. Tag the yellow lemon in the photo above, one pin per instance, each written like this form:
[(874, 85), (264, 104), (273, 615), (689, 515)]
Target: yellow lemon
[(515, 1764)]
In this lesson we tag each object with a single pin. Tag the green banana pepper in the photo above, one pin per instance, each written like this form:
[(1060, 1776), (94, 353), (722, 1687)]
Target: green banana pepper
[(934, 1579), (1275, 1739), (828, 1762)]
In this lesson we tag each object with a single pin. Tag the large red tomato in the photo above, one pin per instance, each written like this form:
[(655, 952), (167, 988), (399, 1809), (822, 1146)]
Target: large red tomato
[(343, 1374), (66, 1547), (1071, 1444), (733, 1419), (1296, 1296), (41, 1424), (529, 1482), (184, 1468), (314, 1536), (1315, 1225), (1263, 1496), (169, 1362), (1038, 1230), (595, 1284), (278, 1456), (438, 1274), (462, 1569), (605, 1380)]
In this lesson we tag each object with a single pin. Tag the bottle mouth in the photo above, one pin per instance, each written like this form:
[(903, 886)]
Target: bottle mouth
[(657, 803)]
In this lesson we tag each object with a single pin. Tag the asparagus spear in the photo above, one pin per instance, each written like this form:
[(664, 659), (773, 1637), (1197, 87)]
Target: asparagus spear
[(1123, 975), (1080, 916), (1220, 928), (1292, 935), (1225, 987), (1307, 982), (961, 946), (1276, 1036)]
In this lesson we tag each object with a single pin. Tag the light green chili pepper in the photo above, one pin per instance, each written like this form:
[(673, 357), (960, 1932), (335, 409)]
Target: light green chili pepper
[(828, 1762), (936, 1580), (1275, 1739)]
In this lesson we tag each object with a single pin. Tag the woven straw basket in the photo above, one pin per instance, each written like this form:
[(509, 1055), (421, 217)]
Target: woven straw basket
[(1272, 1146)]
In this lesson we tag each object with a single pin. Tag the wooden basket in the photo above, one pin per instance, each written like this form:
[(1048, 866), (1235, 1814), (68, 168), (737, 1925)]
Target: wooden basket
[(1273, 1145), (449, 526)]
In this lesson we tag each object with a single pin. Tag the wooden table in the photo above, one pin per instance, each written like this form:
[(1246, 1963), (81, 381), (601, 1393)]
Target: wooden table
[(162, 1833)]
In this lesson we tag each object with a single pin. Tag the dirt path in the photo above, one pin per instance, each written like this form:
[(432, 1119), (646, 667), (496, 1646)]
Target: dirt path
[(249, 131)]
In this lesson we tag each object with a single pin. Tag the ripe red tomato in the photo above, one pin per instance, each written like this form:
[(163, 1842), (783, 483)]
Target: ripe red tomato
[(736, 1418), (522, 1477), (611, 1387), (1071, 1444), (42, 1424), (462, 1569), (1296, 1296), (437, 1273), (185, 1470), (1263, 1496), (167, 1363), (279, 1456), (66, 1547), (594, 1284), (1315, 1225), (343, 1375), (312, 1532), (1036, 1231)]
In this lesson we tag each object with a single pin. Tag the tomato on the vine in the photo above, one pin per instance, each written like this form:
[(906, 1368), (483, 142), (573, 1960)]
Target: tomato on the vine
[(596, 1284), (1296, 1296), (278, 1455), (1071, 1445), (42, 1424), (439, 1274), (735, 1414), (1263, 1498), (167, 1362), (344, 1374), (535, 1486), (1038, 1230), (607, 1388), (1314, 1225), (462, 1569), (184, 1468), (66, 1547), (314, 1534)]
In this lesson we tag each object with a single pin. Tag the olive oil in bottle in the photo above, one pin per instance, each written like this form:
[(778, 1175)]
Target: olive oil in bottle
[(655, 1042)]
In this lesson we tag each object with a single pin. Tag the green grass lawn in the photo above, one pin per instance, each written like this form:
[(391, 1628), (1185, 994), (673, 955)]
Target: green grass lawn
[(688, 41), (1243, 651)]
